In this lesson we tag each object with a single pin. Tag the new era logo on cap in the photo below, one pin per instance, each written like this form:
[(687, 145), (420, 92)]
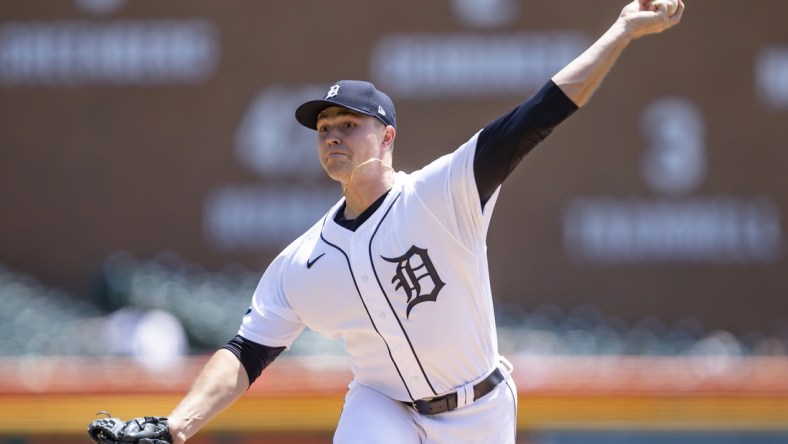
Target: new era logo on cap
[(359, 96)]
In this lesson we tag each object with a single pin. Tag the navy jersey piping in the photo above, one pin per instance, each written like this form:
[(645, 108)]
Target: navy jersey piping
[(388, 301), (514, 404), (355, 284)]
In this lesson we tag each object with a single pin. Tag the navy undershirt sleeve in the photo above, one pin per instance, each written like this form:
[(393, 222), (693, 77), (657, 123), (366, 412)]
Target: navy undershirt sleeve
[(253, 356), (504, 143)]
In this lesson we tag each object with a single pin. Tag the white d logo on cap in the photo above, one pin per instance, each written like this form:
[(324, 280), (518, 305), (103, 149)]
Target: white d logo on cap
[(332, 92)]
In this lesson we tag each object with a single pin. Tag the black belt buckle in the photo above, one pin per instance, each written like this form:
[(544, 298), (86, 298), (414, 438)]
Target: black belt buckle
[(448, 402), (441, 404)]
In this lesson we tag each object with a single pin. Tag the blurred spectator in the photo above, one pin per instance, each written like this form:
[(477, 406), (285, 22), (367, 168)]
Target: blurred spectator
[(155, 338)]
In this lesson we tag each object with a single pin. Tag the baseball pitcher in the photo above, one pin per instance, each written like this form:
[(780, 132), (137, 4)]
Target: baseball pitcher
[(397, 269)]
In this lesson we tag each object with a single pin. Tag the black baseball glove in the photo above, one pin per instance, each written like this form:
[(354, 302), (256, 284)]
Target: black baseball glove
[(147, 430)]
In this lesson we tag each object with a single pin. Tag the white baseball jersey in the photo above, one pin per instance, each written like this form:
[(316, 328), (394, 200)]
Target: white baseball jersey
[(408, 291)]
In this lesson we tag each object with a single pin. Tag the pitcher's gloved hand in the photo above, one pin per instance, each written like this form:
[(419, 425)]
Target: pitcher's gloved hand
[(145, 430)]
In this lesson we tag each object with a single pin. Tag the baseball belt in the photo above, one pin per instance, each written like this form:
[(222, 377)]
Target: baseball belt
[(449, 401)]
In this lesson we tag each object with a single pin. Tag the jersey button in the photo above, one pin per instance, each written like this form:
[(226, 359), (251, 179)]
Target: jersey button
[(364, 277), (382, 315)]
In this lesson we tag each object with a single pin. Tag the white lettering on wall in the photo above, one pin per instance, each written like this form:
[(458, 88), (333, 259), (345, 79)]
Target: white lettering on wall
[(251, 218), (485, 13), (100, 7), (709, 230), (771, 76), (467, 65), (121, 52), (674, 161), (673, 227), (269, 140)]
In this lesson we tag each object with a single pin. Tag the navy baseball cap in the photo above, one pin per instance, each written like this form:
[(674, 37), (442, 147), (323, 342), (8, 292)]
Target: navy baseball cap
[(359, 96)]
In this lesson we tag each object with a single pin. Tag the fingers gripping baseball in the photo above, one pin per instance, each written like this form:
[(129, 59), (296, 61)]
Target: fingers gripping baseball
[(643, 17), (667, 7), (146, 430)]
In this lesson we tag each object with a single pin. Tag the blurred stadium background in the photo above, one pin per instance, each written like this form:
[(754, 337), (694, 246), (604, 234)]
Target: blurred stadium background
[(151, 168)]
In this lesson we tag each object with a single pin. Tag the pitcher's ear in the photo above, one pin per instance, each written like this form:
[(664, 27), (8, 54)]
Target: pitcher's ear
[(390, 134)]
